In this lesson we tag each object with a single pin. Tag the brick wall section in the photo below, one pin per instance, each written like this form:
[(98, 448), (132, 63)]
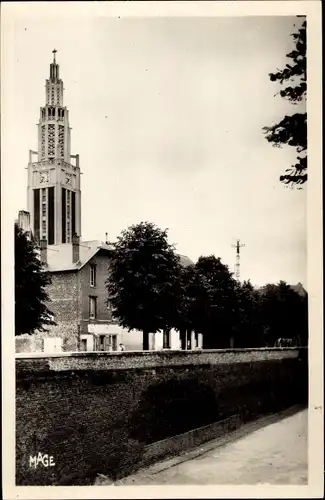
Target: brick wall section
[(96, 413), (64, 292)]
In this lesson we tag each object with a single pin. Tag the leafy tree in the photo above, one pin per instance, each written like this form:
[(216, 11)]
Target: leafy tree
[(219, 305), (284, 313), (31, 280), (301, 321), (193, 302), (248, 328), (269, 296), (292, 129), (143, 281)]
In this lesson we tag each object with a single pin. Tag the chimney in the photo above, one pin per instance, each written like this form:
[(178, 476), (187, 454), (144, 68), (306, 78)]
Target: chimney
[(43, 251), (24, 220), (75, 248)]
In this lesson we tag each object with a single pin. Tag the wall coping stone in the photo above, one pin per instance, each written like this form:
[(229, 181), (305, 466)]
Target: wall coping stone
[(165, 352), (128, 360)]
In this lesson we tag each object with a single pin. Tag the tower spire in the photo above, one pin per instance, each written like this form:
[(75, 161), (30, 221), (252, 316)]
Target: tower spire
[(54, 68), (54, 196)]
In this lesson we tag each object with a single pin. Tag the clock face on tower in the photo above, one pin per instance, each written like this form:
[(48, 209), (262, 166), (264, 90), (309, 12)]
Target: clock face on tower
[(68, 179), (44, 177)]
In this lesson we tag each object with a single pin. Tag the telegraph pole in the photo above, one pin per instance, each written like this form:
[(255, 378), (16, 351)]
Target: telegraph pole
[(238, 246)]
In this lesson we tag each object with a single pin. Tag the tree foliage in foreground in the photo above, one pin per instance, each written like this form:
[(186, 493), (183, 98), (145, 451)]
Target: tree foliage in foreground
[(292, 129), (31, 280), (144, 280)]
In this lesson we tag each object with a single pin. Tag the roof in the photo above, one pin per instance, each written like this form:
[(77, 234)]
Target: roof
[(186, 261), (299, 289), (59, 257)]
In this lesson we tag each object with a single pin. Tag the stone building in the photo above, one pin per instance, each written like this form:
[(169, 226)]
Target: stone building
[(78, 268), (79, 296)]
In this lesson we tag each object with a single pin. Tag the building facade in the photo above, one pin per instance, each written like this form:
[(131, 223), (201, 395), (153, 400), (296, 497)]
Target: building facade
[(79, 298)]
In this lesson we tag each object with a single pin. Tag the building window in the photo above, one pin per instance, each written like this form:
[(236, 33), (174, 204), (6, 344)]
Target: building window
[(61, 140), (109, 309), (51, 139), (43, 140), (51, 112), (92, 307), (51, 215), (102, 343), (107, 343), (93, 275)]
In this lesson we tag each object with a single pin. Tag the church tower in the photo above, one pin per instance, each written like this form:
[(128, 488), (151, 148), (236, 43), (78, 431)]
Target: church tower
[(53, 193)]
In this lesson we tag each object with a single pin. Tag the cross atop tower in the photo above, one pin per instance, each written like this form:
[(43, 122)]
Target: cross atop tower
[(54, 67)]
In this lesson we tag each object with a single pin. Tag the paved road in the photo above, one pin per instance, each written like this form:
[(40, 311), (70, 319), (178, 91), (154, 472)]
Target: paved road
[(275, 454)]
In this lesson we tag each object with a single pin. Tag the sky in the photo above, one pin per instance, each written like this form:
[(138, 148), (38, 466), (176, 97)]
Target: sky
[(167, 116)]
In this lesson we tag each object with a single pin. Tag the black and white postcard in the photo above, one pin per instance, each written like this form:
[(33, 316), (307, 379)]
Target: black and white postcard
[(161, 249)]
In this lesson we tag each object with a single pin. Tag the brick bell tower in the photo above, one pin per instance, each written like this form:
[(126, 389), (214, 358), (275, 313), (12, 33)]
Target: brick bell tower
[(53, 192)]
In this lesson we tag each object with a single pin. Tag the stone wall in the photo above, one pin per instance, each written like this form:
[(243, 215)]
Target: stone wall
[(97, 412), (64, 293), (29, 343), (64, 304)]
